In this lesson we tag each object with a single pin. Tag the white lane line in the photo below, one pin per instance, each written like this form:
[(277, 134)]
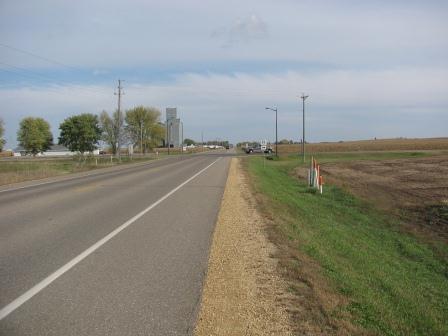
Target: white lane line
[(8, 309)]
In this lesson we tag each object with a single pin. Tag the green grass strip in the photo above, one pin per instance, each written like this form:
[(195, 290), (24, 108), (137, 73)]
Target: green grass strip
[(396, 284)]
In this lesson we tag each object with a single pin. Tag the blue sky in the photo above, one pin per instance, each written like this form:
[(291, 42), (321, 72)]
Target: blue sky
[(372, 69)]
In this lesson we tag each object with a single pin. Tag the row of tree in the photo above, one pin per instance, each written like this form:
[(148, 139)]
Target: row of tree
[(2, 131), (139, 126), (280, 142)]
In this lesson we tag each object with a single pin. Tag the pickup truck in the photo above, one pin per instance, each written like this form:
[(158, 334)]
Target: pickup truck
[(259, 149)]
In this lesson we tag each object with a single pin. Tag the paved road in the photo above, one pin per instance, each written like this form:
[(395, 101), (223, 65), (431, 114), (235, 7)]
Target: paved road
[(122, 252)]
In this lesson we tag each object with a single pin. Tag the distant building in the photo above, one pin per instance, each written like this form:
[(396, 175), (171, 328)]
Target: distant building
[(55, 150), (171, 113), (173, 128)]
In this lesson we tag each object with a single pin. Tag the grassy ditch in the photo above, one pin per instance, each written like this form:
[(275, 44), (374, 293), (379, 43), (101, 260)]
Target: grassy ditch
[(13, 170), (395, 284)]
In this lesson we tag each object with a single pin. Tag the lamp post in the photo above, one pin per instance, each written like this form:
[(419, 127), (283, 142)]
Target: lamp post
[(276, 128), (303, 97), (168, 135), (182, 142)]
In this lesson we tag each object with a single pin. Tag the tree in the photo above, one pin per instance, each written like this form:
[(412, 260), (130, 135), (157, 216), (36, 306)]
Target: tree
[(80, 133), (158, 132), (112, 129), (2, 131), (189, 142), (143, 127), (34, 135)]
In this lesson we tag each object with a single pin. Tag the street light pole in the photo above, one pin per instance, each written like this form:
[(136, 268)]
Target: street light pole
[(182, 143), (168, 135), (276, 128), (303, 97)]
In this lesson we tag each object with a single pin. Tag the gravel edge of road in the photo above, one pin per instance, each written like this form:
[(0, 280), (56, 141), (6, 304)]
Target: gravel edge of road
[(243, 291)]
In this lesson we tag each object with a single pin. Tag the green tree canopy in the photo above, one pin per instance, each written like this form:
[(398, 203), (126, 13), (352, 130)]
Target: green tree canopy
[(80, 133), (2, 131), (112, 129), (34, 135), (143, 126), (189, 142), (157, 135)]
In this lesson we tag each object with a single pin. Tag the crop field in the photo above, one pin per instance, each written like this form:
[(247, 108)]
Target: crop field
[(415, 189), (369, 145), (369, 255)]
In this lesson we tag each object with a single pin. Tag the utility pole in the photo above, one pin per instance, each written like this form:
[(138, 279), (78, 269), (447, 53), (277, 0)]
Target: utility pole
[(141, 136), (276, 129), (276, 132), (202, 140), (119, 94), (303, 97)]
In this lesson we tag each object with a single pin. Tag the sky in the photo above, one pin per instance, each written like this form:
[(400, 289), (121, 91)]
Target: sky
[(372, 68)]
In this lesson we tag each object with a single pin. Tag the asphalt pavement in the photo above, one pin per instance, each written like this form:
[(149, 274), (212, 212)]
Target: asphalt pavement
[(118, 252)]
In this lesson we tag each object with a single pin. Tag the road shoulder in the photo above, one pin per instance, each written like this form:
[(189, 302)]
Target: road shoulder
[(243, 292)]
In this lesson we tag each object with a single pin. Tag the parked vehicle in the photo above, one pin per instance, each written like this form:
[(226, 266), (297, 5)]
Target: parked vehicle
[(258, 149)]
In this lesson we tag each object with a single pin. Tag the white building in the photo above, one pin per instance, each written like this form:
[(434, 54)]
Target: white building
[(55, 150)]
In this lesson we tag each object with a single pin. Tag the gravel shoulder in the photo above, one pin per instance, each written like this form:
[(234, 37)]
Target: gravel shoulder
[(243, 292)]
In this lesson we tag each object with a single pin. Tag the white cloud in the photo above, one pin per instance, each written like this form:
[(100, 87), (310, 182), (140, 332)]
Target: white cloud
[(342, 104), (243, 30), (141, 33), (391, 56)]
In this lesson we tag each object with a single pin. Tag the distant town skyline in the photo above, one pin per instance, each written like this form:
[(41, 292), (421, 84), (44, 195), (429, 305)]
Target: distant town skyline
[(371, 69)]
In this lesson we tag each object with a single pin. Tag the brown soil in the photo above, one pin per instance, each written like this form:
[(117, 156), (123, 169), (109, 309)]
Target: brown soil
[(414, 189), (243, 293), (369, 145)]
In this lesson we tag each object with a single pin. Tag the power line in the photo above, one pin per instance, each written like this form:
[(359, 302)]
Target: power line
[(50, 60), (37, 56), (52, 89), (33, 74), (208, 90)]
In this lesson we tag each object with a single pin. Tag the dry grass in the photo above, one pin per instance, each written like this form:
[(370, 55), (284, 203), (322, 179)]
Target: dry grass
[(369, 145), (6, 154), (27, 169)]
